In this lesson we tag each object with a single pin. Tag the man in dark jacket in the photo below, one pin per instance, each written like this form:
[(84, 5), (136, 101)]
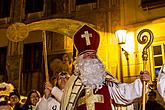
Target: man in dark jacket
[(152, 103)]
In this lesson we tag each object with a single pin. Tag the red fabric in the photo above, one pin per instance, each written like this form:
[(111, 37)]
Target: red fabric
[(100, 106), (80, 42)]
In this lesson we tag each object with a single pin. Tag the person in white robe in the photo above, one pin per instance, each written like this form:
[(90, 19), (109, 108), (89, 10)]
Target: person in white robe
[(121, 93), (161, 82), (48, 102), (90, 78)]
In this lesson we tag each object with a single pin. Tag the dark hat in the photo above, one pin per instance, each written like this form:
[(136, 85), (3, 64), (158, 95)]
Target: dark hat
[(15, 92), (86, 39)]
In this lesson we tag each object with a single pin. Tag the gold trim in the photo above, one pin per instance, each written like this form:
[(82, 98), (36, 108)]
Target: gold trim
[(89, 99)]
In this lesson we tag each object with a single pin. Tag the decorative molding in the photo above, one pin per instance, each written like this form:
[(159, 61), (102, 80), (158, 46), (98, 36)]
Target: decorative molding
[(152, 4), (60, 51)]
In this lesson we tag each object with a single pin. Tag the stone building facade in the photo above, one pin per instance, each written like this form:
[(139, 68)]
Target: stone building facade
[(106, 16)]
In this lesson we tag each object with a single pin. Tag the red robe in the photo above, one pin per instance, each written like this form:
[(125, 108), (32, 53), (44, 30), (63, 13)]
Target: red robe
[(99, 106)]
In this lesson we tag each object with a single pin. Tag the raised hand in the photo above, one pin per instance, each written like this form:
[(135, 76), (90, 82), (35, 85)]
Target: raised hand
[(144, 76)]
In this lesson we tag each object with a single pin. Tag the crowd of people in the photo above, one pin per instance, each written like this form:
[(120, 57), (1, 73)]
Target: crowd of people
[(34, 100), (90, 87)]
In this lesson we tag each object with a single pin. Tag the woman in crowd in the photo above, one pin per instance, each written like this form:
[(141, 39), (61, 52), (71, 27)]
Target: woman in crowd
[(32, 99)]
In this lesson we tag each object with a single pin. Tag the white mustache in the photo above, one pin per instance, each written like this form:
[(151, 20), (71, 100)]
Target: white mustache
[(92, 73)]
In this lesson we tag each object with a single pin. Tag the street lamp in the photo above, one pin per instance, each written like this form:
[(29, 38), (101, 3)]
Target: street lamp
[(121, 35)]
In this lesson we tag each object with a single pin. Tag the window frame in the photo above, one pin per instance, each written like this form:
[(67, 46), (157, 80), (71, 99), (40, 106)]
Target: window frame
[(153, 67)]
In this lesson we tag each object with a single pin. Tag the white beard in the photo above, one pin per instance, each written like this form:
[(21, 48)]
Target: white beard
[(92, 73)]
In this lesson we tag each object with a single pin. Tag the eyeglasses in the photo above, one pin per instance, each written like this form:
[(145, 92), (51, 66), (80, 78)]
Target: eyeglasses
[(63, 77), (63, 73)]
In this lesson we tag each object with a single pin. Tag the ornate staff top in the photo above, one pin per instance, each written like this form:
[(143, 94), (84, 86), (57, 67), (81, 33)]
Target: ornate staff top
[(143, 40)]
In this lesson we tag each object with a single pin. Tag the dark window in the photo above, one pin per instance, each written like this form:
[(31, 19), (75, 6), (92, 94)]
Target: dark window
[(57, 6), (53, 7), (150, 4), (32, 57), (3, 54), (157, 50), (80, 2), (34, 6), (158, 61), (5, 8)]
